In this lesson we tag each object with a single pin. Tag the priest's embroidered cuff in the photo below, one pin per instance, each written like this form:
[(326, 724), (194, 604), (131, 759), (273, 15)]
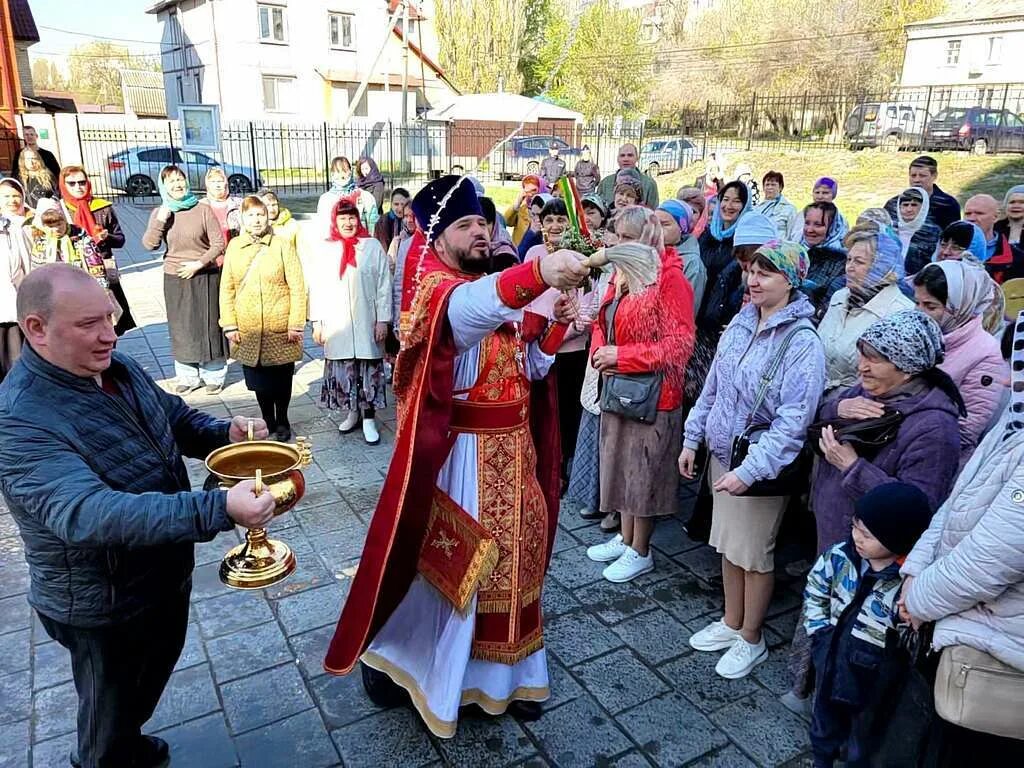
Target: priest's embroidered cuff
[(458, 554), (553, 337), (519, 285)]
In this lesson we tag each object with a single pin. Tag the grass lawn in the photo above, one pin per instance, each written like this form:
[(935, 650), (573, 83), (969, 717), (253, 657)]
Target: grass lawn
[(867, 178)]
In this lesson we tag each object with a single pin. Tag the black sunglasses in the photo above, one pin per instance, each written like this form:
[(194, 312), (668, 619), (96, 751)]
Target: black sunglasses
[(81, 183)]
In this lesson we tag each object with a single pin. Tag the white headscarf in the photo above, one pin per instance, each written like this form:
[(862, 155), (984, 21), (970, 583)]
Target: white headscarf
[(969, 292), (907, 229)]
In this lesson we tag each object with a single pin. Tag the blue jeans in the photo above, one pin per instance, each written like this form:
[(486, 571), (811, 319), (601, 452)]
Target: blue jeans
[(212, 373)]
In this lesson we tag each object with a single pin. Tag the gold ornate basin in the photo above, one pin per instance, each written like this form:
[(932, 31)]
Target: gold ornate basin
[(277, 468)]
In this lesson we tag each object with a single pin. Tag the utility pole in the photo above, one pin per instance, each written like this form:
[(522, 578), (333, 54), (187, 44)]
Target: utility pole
[(405, 63), (373, 67)]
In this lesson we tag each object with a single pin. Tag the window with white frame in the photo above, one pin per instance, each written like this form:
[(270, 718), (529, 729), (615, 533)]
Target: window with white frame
[(413, 30), (278, 93), (952, 52), (272, 25), (993, 49), (342, 30)]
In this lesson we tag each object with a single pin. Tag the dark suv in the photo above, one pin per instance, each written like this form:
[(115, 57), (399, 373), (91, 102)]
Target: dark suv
[(977, 129)]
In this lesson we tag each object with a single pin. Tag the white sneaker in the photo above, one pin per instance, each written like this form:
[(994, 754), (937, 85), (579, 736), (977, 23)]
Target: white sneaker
[(741, 658), (607, 552), (370, 433), (716, 636), (629, 566), (350, 422)]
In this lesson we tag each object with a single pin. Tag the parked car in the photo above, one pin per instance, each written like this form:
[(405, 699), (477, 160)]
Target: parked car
[(888, 125), (667, 155), (977, 129), (524, 154), (136, 170)]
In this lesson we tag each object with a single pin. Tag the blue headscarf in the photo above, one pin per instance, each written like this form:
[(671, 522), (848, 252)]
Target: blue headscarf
[(681, 212), (188, 202), (968, 236), (834, 237), (717, 227)]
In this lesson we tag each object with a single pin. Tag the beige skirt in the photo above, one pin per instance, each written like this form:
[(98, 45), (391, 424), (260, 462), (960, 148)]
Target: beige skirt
[(743, 528), (639, 470)]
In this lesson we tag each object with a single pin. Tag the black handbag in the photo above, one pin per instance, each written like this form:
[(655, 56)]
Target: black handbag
[(633, 396), (866, 435), (793, 478)]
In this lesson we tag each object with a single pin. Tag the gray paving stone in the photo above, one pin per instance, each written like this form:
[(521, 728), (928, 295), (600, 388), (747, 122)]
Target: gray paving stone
[(568, 515), (341, 699), (483, 740), (670, 538), (310, 572), (630, 760), (15, 648), (579, 734), (613, 603), (8, 528), (694, 677), (204, 742), (763, 728), (247, 651), (572, 568), (15, 696), (206, 581), (54, 753), (671, 731), (300, 740), (313, 608), (576, 636), (14, 614), (395, 737), (342, 548), (56, 710), (619, 680), (784, 601), (193, 652), (773, 673), (563, 685), (52, 665), (702, 561), (264, 697), (556, 599), (309, 650), (730, 757), (686, 599), (563, 541), (785, 623), (655, 636), (232, 611), (189, 694), (14, 743), (589, 535)]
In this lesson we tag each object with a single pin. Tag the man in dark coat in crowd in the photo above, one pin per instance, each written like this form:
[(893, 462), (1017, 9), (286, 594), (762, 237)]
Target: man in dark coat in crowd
[(91, 469)]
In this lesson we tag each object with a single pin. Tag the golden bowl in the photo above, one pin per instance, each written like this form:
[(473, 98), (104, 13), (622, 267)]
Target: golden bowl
[(277, 468)]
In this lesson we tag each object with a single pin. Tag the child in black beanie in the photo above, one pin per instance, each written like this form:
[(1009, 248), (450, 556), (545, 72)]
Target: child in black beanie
[(849, 605)]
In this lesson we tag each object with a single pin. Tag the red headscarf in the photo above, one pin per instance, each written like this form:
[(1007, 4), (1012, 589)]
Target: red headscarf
[(81, 207), (348, 244)]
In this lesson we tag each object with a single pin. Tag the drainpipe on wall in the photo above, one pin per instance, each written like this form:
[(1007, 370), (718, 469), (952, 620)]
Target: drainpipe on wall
[(216, 54)]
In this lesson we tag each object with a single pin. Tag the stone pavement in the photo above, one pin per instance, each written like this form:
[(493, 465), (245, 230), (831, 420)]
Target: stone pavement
[(249, 689)]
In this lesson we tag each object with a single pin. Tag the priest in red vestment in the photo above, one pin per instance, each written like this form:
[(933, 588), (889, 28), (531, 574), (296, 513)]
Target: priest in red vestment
[(445, 607)]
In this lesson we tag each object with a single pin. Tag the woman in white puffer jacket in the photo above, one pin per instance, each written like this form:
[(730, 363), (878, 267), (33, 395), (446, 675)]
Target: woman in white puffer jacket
[(966, 572)]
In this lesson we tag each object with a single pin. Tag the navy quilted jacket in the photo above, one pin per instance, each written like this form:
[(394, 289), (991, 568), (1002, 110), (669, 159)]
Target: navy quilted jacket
[(97, 486)]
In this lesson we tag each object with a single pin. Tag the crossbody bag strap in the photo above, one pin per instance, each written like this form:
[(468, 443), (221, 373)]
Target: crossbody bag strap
[(610, 319), (772, 369), (252, 265)]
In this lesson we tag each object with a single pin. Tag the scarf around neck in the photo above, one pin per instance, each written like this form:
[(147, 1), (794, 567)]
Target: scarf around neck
[(187, 203), (82, 208), (717, 227), (348, 246)]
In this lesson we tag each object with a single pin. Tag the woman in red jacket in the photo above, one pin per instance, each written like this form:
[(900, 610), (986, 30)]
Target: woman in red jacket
[(648, 332)]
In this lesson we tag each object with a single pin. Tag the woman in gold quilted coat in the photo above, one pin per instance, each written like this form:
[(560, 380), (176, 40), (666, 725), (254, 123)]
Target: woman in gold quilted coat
[(263, 312)]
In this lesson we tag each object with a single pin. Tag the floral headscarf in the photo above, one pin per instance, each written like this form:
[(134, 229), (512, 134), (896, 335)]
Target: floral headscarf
[(908, 339), (790, 259)]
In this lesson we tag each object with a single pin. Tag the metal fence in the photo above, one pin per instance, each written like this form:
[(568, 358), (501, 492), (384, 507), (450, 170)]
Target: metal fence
[(124, 157)]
